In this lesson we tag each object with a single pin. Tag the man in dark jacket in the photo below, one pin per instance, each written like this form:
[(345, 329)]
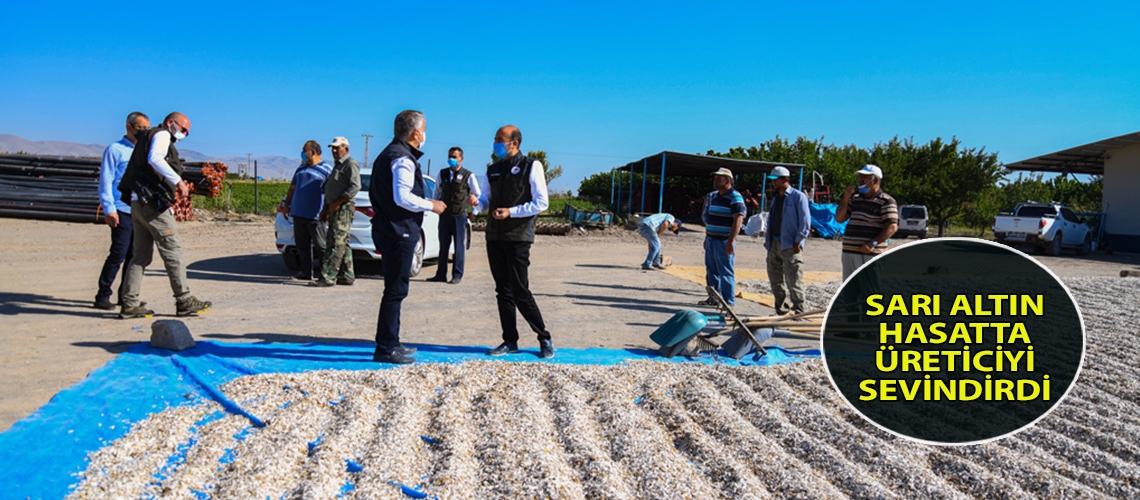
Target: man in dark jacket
[(514, 192), (398, 198), (457, 188)]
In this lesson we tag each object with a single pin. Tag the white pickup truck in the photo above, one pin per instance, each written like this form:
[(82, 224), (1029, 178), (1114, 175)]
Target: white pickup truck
[(1049, 227)]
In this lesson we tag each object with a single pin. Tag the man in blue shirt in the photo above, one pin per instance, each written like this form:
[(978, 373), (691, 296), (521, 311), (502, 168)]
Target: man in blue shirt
[(723, 215), (651, 229), (116, 213), (303, 202), (789, 223)]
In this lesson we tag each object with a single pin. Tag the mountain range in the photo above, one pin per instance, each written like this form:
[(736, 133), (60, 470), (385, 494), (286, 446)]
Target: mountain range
[(268, 167)]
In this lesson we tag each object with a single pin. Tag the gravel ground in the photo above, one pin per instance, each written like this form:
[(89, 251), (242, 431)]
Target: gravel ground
[(640, 430)]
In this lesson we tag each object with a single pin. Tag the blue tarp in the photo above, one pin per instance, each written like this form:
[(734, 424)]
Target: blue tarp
[(823, 220), (43, 453)]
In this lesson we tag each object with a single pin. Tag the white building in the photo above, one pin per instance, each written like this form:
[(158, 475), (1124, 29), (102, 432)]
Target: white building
[(1118, 160)]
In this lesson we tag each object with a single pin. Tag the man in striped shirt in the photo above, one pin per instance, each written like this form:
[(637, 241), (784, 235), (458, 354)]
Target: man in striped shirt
[(872, 216), (723, 215)]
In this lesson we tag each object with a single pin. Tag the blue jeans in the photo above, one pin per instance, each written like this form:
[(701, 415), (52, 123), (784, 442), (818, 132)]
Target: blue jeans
[(396, 260), (452, 228), (650, 235), (719, 272)]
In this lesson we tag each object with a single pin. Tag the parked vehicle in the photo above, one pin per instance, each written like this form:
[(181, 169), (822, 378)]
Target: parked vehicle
[(360, 236), (912, 222), (1049, 227)]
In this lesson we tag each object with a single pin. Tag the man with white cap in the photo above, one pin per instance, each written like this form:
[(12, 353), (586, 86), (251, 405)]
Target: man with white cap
[(872, 216), (789, 223), (340, 205), (723, 215)]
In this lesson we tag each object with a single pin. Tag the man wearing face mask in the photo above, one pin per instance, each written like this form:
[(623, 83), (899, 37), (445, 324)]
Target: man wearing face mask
[(153, 175), (303, 202), (398, 197), (340, 194), (514, 192), (458, 189), (873, 218), (116, 213)]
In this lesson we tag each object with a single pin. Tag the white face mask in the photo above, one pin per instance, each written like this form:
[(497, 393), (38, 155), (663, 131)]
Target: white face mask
[(178, 135), (423, 137)]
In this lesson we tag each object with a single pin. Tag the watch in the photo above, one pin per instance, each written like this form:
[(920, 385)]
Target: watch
[(874, 243)]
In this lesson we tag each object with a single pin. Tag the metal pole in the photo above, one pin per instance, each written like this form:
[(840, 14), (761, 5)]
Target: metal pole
[(255, 210), (661, 197), (801, 188), (644, 174), (611, 189), (631, 171), (366, 137), (247, 164), (763, 191)]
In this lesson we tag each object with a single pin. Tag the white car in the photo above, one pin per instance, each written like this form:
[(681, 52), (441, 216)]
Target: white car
[(360, 236), (1047, 226)]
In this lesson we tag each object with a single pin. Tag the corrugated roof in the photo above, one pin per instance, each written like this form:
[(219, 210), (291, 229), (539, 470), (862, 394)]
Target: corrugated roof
[(1086, 159), (692, 165)]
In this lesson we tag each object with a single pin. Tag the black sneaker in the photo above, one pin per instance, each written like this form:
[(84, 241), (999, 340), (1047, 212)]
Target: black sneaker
[(344, 281), (395, 358), (545, 349), (192, 306), (504, 348), (135, 312), (104, 304), (404, 350), (646, 268), (437, 279), (455, 281)]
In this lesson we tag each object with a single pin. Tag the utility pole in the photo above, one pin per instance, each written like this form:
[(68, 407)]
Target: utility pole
[(366, 137), (247, 162)]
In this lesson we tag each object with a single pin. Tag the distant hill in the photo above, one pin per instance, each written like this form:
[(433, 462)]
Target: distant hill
[(269, 167)]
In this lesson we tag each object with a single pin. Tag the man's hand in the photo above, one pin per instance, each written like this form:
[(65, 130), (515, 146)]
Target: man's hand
[(730, 246), (848, 191), (472, 200), (797, 247), (324, 217), (438, 206), (501, 213), (867, 248), (183, 189), (112, 219)]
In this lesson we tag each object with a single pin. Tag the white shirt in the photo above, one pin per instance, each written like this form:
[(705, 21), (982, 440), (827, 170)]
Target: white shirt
[(159, 147), (539, 200), (403, 178), (472, 184)]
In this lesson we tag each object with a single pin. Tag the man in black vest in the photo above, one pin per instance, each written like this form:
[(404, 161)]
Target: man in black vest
[(153, 175), (457, 188), (397, 195), (514, 192)]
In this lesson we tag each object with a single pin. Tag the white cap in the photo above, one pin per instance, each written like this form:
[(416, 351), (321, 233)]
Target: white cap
[(723, 171), (339, 141), (779, 172), (871, 170)]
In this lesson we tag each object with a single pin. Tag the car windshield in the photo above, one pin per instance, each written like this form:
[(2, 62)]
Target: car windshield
[(364, 178), (913, 213), (1036, 211)]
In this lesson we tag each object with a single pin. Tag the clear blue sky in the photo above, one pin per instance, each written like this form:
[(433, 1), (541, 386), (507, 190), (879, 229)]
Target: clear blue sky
[(594, 84)]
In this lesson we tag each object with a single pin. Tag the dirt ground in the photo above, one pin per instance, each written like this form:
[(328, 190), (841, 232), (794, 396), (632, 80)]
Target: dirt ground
[(588, 286)]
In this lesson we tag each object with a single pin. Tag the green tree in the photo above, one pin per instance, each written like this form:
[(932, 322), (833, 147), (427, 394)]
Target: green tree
[(551, 172)]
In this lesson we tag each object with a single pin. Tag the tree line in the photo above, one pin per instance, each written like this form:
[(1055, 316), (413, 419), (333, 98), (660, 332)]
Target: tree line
[(958, 184)]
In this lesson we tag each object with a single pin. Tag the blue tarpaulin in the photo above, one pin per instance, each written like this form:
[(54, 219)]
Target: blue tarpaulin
[(43, 453), (823, 220)]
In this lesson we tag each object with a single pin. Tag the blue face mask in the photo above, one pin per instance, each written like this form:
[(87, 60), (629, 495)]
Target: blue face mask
[(304, 157), (452, 162), (864, 189), (500, 149)]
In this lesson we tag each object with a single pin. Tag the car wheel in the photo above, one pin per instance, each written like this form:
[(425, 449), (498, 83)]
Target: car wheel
[(291, 258), (1086, 246), (418, 257), (1055, 246)]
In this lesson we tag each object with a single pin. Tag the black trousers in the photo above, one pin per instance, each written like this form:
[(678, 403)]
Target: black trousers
[(509, 261), (310, 237), (121, 251), (396, 260), (452, 229)]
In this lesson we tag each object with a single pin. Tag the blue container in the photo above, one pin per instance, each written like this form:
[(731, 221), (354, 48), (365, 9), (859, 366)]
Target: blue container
[(681, 326)]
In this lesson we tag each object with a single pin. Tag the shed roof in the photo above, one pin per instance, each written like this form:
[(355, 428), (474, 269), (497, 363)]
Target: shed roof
[(691, 165), (1086, 159)]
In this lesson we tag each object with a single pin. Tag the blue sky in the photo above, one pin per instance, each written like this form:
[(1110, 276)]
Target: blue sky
[(594, 84)]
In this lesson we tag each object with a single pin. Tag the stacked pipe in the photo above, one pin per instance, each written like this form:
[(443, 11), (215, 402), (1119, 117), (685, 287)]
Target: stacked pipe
[(66, 188)]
